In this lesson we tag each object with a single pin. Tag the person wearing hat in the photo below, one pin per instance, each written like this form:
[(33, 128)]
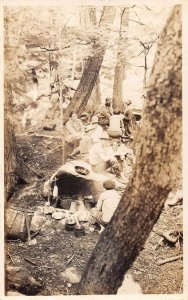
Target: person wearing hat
[(104, 112), (96, 129), (101, 153), (107, 204)]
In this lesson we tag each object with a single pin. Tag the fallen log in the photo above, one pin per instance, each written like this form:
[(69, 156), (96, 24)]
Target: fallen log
[(170, 259)]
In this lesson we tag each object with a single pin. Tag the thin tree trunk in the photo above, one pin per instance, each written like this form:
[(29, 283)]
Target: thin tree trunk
[(155, 173), (145, 73), (11, 171), (11, 166), (92, 66), (74, 64), (61, 100), (121, 59)]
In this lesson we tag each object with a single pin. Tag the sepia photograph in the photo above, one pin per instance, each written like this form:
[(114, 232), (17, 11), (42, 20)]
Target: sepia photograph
[(93, 176)]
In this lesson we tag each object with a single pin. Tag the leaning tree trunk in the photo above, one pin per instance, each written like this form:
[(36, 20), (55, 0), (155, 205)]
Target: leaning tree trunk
[(92, 66), (120, 64), (95, 98), (155, 172)]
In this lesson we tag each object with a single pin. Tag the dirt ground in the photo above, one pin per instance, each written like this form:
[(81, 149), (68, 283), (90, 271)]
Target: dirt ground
[(55, 246)]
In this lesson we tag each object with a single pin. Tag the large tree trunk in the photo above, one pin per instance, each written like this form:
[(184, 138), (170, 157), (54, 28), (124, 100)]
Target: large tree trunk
[(92, 66), (89, 18), (154, 175), (121, 59), (95, 98)]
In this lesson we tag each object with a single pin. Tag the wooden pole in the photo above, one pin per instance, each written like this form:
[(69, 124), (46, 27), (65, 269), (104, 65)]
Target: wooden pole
[(61, 100)]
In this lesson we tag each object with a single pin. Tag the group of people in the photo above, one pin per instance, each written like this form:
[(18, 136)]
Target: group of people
[(98, 141)]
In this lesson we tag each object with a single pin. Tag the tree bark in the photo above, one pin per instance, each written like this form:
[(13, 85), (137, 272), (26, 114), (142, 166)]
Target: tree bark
[(92, 66), (11, 166), (95, 98), (155, 172), (10, 155), (121, 59)]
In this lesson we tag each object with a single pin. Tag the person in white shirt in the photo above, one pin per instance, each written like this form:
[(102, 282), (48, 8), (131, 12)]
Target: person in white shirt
[(101, 153), (116, 124), (96, 129), (92, 135), (107, 203), (75, 130)]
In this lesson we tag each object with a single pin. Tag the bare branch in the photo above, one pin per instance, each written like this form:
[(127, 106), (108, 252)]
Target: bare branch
[(47, 49), (134, 65), (81, 42), (50, 50), (140, 53), (136, 22), (147, 7), (65, 26), (137, 15)]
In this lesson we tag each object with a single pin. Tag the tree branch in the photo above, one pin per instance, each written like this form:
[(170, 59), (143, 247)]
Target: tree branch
[(136, 22), (55, 49)]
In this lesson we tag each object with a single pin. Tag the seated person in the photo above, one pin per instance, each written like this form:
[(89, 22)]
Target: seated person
[(85, 118), (106, 205), (66, 103), (92, 134), (104, 112), (129, 122), (96, 130), (116, 124), (116, 166), (101, 153), (123, 165), (75, 130)]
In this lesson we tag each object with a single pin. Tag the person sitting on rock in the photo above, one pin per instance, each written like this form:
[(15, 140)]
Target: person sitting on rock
[(96, 130), (116, 167), (104, 112), (100, 154), (116, 125), (75, 130), (92, 134), (107, 203)]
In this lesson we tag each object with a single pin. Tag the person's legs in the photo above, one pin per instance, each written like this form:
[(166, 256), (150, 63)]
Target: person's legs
[(75, 151), (96, 217), (76, 142)]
